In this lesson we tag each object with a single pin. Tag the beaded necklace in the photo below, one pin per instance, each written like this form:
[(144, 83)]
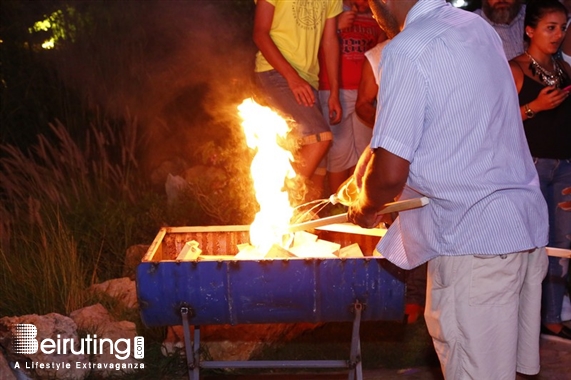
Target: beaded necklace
[(547, 77)]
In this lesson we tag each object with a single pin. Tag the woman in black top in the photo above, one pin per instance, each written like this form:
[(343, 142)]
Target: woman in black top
[(542, 83)]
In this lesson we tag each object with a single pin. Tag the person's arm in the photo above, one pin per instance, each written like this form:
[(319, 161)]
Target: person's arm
[(366, 104), (330, 46), (548, 98), (263, 18), (384, 178), (517, 74)]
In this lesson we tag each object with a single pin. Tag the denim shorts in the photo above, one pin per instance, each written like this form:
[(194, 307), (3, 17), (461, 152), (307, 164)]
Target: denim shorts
[(308, 122)]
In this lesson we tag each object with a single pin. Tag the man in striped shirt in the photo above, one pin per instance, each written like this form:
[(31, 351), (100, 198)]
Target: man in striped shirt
[(448, 127)]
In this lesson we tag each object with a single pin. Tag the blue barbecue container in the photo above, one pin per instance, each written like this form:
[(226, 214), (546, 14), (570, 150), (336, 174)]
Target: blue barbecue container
[(225, 290)]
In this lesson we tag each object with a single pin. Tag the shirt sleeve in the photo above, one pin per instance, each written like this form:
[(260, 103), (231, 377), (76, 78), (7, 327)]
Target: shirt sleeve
[(401, 109), (335, 8)]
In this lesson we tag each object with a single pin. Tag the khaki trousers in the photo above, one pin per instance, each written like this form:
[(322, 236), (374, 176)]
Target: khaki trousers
[(483, 313)]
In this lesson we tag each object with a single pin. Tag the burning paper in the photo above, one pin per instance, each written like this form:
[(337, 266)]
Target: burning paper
[(270, 168)]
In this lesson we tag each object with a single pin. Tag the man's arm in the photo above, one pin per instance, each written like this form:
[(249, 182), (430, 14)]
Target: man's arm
[(330, 46), (384, 179), (263, 18), (366, 104)]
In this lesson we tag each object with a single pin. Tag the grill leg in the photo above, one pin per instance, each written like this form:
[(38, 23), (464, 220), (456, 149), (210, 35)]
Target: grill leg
[(196, 353), (191, 347), (355, 363)]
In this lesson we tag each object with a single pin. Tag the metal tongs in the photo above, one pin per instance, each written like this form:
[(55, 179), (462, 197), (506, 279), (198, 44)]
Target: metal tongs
[(407, 204)]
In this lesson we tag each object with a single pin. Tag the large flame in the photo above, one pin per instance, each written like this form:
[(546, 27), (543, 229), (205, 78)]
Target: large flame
[(270, 167)]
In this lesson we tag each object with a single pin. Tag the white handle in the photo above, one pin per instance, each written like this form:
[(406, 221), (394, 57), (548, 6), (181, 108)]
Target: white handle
[(407, 204)]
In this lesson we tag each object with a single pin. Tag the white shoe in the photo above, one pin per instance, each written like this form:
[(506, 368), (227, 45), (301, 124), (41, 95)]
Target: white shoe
[(566, 309)]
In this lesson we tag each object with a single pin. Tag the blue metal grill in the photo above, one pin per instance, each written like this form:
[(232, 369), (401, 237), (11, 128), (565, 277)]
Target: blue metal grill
[(230, 291)]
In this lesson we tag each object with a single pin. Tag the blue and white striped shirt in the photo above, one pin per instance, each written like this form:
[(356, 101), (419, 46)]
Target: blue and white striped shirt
[(449, 106)]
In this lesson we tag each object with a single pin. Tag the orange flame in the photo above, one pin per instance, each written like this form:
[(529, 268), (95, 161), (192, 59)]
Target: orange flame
[(269, 169)]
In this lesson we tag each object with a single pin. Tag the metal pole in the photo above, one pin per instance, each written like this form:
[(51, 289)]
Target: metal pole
[(191, 364), (196, 353), (355, 362)]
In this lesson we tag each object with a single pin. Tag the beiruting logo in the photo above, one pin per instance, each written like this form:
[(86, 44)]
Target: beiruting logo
[(25, 342)]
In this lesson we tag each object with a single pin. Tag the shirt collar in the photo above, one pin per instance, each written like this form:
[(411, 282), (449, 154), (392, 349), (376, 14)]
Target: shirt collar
[(423, 7)]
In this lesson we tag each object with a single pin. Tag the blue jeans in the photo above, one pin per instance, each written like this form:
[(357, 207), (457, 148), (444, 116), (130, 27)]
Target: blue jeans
[(554, 176)]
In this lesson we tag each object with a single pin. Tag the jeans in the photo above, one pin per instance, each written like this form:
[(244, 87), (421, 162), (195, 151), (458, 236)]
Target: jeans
[(309, 121), (554, 176)]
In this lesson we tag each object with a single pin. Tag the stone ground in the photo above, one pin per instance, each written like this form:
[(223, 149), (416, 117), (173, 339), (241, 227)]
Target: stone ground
[(555, 365)]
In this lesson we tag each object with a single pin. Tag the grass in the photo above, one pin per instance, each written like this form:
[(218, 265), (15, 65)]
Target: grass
[(44, 274), (68, 212)]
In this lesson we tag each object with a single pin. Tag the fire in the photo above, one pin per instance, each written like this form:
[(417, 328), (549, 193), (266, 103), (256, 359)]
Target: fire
[(270, 167)]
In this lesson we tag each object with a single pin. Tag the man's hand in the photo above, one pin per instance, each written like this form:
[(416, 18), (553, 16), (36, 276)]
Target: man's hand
[(364, 216), (346, 20), (335, 110)]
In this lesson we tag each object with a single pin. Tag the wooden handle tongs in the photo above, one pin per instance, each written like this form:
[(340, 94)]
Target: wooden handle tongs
[(407, 204)]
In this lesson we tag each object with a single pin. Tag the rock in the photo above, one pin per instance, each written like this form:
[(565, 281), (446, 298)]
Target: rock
[(133, 257), (122, 289), (159, 175), (97, 321), (91, 318), (51, 326), (123, 334), (5, 370), (175, 187)]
